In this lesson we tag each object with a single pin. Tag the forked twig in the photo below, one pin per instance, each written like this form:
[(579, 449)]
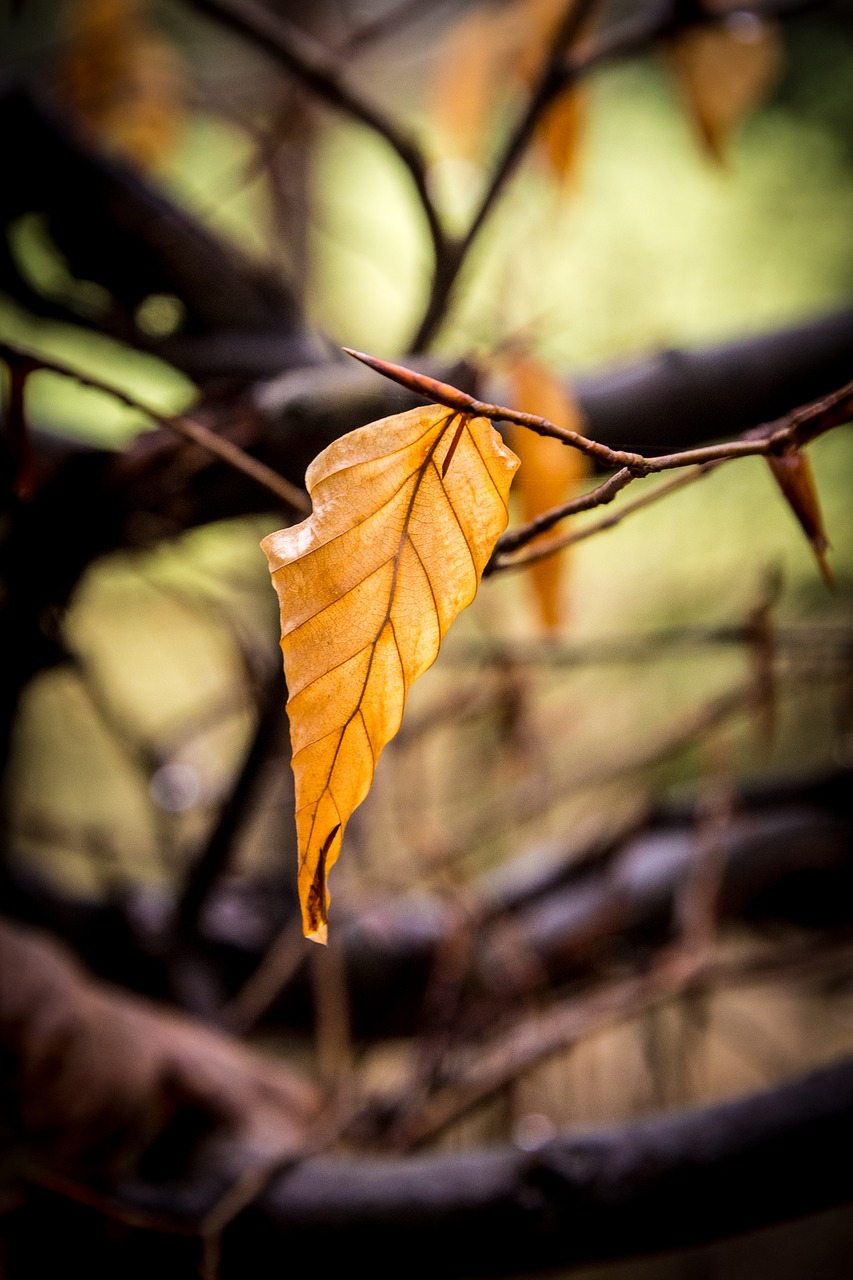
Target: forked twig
[(783, 436), (180, 423)]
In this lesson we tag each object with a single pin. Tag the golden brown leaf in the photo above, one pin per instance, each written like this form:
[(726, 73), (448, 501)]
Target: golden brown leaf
[(470, 72), (724, 72), (485, 50), (559, 136), (123, 79), (550, 470), (794, 476), (406, 513)]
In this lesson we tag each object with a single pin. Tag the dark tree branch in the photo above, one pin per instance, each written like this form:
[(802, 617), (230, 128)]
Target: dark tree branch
[(792, 859), (182, 424), (660, 1183), (320, 72), (117, 229)]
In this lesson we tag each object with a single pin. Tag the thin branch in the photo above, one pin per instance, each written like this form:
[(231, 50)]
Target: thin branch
[(217, 855), (384, 25), (597, 497), (180, 423), (319, 71), (547, 548), (262, 988), (551, 82), (561, 71), (785, 435), (483, 1069)]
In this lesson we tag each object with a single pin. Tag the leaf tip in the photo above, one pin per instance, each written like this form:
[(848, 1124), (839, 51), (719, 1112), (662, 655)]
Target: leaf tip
[(315, 924)]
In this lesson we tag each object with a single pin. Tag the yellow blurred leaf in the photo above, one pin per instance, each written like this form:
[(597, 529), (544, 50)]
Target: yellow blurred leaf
[(484, 51), (471, 73), (550, 470), (123, 79), (406, 513), (794, 476), (559, 136), (724, 72)]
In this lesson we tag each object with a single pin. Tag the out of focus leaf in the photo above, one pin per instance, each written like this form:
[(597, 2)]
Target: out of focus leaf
[(794, 475), (724, 72), (550, 470), (560, 136), (406, 513), (486, 49), (470, 74), (123, 79)]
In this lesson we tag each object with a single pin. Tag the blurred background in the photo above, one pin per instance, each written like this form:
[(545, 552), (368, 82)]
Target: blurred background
[(681, 672)]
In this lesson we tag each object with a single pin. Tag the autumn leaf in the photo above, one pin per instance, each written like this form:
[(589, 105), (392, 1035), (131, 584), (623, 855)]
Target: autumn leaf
[(724, 72), (123, 79), (485, 50), (794, 476), (406, 513), (470, 71), (550, 470), (559, 136)]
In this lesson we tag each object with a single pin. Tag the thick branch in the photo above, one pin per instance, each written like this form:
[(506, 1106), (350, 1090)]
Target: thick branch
[(658, 1184), (668, 1181), (786, 861)]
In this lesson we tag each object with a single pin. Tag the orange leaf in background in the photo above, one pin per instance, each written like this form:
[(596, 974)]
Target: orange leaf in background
[(484, 50), (724, 72), (123, 79), (550, 470), (559, 135), (406, 513), (469, 77), (793, 473)]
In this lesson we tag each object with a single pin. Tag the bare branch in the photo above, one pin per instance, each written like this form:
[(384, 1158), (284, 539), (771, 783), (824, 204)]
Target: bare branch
[(544, 549), (636, 34), (180, 423), (785, 435), (319, 71)]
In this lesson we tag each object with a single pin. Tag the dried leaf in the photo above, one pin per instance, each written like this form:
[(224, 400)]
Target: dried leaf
[(368, 586), (470, 72), (559, 136), (550, 470), (793, 473), (487, 49), (123, 79), (724, 72)]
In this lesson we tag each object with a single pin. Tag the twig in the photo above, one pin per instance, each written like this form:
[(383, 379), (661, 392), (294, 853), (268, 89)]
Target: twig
[(597, 497), (485, 1068), (384, 25), (552, 80), (561, 71), (216, 855), (180, 423), (547, 548), (306, 59), (261, 989), (785, 435)]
